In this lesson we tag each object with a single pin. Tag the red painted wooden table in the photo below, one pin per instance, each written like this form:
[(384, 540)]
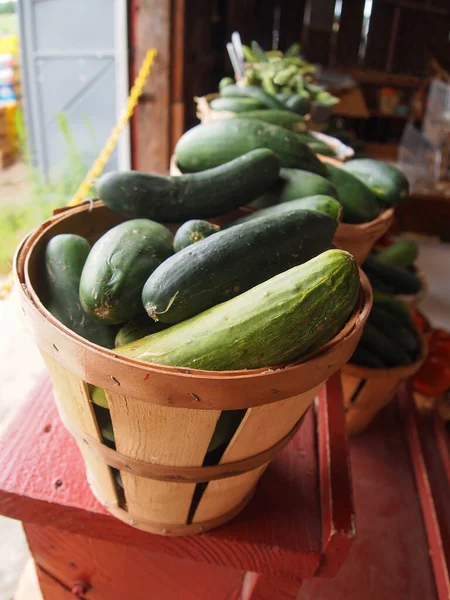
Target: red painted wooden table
[(300, 523), (293, 531)]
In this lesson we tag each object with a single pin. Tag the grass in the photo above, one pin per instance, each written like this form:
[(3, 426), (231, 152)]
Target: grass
[(9, 24), (17, 219)]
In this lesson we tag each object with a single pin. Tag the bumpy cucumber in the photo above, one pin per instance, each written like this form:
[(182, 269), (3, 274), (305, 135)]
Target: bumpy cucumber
[(392, 328), (359, 202), (117, 267), (234, 260), (325, 204), (211, 144), (98, 396), (274, 322), (65, 256), (193, 231), (299, 103), (387, 182), (208, 194), (396, 307)]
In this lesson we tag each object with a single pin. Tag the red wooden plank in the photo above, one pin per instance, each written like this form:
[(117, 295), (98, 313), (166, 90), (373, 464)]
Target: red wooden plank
[(42, 474), (257, 587), (430, 480), (443, 442), (389, 558), (338, 514), (119, 572)]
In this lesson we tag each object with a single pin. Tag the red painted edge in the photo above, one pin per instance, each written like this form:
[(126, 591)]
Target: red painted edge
[(442, 441), (338, 510), (436, 549)]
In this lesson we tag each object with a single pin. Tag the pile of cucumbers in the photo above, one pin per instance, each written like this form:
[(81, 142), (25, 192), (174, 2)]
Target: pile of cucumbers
[(251, 294), (392, 269), (390, 338), (364, 187), (287, 77)]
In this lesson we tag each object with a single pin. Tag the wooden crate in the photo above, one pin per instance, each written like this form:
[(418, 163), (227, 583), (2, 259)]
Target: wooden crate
[(164, 417)]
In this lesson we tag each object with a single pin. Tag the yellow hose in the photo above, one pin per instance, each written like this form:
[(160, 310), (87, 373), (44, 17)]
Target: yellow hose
[(98, 166)]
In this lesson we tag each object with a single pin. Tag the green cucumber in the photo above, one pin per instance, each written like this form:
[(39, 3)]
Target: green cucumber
[(211, 144), (232, 261), (272, 323), (394, 329), (107, 432), (364, 358), (401, 253), (396, 307), (299, 103), (316, 145), (226, 426), (387, 350), (324, 204), (201, 195), (251, 91), (98, 396), (225, 81), (117, 267), (136, 329), (380, 285), (258, 52), (387, 182), (282, 118), (398, 279), (191, 232), (359, 203), (295, 183), (65, 256), (236, 105)]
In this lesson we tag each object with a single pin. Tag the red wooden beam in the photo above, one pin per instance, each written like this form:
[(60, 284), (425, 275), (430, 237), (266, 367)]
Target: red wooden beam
[(338, 512), (438, 539)]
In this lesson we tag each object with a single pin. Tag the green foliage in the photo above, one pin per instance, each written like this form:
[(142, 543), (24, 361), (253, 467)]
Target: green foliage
[(18, 218), (7, 8)]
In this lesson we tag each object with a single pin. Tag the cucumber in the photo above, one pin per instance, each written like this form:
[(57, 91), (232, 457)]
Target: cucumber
[(191, 232), (98, 396), (394, 329), (387, 182), (365, 358), (398, 279), (108, 432), (359, 203), (117, 267), (211, 144), (283, 118), (380, 285), (232, 261), (295, 183), (315, 144), (388, 351), (235, 105), (226, 426), (324, 204), (136, 329), (396, 307), (176, 199), (65, 256), (254, 92), (401, 253), (258, 52), (225, 81), (269, 324), (299, 103)]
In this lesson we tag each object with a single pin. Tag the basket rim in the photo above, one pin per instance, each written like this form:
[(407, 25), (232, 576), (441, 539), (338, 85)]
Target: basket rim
[(31, 302)]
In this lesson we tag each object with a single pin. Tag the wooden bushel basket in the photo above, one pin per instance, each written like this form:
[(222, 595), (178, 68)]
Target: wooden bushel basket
[(366, 391), (164, 417)]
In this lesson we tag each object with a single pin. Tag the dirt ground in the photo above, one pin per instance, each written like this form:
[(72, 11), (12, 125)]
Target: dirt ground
[(14, 183)]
